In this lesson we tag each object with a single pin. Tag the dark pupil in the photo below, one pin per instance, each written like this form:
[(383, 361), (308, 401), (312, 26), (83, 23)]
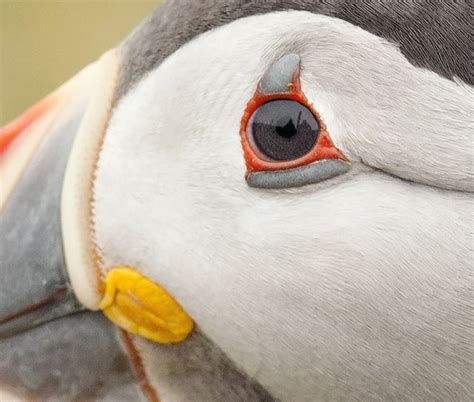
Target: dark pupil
[(283, 130)]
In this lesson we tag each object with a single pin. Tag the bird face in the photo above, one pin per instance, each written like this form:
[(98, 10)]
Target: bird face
[(301, 190), (291, 283)]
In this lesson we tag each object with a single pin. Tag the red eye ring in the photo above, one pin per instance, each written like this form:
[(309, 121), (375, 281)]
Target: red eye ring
[(323, 149)]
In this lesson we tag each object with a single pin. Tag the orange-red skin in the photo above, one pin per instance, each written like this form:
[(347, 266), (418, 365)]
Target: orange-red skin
[(323, 149), (12, 130)]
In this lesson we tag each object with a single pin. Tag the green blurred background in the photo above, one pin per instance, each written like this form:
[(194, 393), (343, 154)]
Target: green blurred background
[(43, 43)]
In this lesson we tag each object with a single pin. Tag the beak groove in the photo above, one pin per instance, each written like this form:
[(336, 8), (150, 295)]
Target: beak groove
[(58, 304)]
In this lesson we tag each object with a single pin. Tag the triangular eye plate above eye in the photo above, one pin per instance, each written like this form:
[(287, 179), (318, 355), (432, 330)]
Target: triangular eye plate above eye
[(284, 139)]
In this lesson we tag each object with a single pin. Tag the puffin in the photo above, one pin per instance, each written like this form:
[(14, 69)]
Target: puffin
[(247, 201)]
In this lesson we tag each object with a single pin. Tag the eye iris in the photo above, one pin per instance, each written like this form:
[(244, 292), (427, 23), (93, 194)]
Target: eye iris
[(283, 130)]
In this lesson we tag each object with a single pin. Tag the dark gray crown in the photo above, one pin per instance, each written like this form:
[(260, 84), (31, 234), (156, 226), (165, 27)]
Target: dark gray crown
[(431, 34)]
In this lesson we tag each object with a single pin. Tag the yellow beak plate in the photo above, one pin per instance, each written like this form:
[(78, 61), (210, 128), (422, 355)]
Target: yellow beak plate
[(140, 306)]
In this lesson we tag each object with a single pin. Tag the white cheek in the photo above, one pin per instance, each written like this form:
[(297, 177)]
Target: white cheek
[(272, 277)]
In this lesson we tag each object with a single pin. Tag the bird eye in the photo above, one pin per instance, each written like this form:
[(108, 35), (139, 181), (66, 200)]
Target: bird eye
[(285, 142), (282, 130)]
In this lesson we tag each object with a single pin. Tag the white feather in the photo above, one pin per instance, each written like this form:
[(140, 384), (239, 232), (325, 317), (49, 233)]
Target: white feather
[(356, 288)]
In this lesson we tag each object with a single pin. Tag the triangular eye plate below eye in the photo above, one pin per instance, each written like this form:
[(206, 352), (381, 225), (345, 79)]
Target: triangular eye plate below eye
[(282, 82)]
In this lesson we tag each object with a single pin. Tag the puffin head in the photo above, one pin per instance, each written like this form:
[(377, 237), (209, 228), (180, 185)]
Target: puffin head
[(294, 186)]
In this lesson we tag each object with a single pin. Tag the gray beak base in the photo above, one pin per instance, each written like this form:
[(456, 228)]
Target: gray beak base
[(34, 287), (49, 349)]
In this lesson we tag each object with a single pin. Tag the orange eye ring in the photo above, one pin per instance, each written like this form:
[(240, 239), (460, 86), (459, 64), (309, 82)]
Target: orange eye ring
[(324, 148)]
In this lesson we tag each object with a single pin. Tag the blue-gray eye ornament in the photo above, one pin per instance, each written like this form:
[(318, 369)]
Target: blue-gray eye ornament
[(285, 142)]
